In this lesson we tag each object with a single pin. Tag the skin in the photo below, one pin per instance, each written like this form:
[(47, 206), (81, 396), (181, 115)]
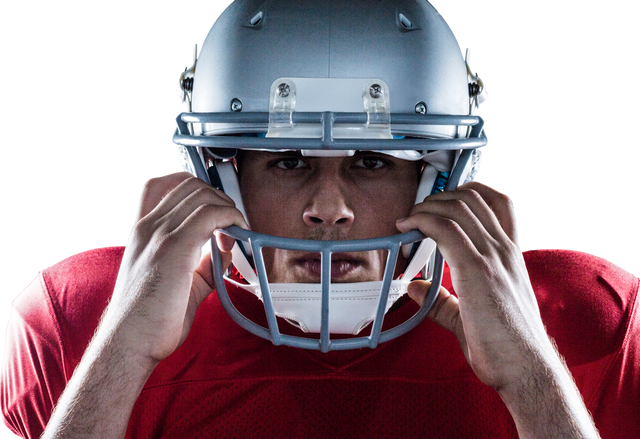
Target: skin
[(163, 279), (327, 198)]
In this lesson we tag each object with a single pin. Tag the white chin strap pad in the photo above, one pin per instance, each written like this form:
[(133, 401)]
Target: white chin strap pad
[(351, 308)]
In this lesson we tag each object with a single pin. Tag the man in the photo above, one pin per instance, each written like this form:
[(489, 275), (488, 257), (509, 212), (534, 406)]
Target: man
[(167, 361)]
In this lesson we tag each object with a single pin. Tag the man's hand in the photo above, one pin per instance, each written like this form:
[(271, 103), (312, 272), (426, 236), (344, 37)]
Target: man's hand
[(495, 316), (161, 283), (495, 311), (162, 279)]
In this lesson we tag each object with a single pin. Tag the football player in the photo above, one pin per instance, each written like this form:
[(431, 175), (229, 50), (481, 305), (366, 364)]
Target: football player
[(331, 149)]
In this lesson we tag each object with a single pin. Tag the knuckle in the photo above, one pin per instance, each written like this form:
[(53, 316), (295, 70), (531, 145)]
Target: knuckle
[(144, 227), (450, 225), (492, 190), (194, 182), (459, 205), (417, 208), (224, 196), (472, 195), (203, 192), (213, 195), (207, 210), (506, 201)]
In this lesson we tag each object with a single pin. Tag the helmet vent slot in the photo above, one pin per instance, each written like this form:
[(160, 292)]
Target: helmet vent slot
[(256, 19), (404, 21)]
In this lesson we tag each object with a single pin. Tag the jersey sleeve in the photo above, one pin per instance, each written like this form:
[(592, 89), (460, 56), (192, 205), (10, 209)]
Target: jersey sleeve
[(51, 324), (617, 400), (33, 372), (590, 308)]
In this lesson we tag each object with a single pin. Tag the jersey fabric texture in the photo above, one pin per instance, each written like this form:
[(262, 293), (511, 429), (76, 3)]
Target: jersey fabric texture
[(225, 382)]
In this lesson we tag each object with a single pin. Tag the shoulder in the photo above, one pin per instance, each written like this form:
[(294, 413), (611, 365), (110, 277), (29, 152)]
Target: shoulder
[(93, 269), (51, 323), (75, 292), (592, 283), (579, 269), (586, 302)]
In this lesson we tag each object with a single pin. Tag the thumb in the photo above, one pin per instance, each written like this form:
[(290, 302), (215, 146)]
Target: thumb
[(444, 312), (203, 282)]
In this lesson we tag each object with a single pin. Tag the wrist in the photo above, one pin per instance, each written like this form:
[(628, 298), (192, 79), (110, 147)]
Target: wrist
[(544, 400), (120, 344), (128, 332), (98, 400)]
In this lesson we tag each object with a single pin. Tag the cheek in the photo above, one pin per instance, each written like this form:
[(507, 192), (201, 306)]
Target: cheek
[(386, 204), (269, 211)]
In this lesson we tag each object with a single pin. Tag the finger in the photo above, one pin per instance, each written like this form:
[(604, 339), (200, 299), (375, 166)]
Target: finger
[(203, 283), (466, 201), (225, 242), (445, 310), (151, 191), (156, 189), (500, 204), (185, 191), (456, 247), (200, 225), (203, 195), (461, 213)]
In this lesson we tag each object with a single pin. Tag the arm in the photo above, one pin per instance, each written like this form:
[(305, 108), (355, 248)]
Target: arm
[(98, 399), (161, 283), (495, 316)]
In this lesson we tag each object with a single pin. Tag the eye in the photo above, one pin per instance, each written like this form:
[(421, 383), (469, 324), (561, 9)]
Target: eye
[(291, 163), (369, 163)]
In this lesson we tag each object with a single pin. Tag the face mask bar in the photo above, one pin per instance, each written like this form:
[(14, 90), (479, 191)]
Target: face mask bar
[(258, 241), (230, 123)]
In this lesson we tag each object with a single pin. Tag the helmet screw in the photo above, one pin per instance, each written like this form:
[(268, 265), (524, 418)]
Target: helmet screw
[(474, 89), (236, 105), (284, 90), (187, 84), (375, 91), (421, 108)]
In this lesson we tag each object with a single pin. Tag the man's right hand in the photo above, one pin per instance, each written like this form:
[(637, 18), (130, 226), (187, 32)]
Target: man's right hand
[(161, 283), (162, 278)]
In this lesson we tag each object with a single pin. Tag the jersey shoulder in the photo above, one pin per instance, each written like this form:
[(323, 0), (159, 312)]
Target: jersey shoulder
[(585, 301), (78, 289), (51, 323)]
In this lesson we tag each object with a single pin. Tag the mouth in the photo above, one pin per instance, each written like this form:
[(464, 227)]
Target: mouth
[(344, 267)]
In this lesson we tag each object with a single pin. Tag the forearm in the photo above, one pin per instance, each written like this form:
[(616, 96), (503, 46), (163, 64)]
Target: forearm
[(544, 402), (99, 398)]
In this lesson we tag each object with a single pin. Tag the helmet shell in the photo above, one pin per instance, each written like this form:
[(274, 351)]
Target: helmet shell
[(405, 43)]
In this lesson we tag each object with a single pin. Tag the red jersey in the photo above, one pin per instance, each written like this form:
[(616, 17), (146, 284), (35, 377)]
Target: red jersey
[(225, 382)]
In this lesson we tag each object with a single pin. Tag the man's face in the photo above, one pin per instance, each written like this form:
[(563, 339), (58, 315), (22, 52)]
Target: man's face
[(336, 198)]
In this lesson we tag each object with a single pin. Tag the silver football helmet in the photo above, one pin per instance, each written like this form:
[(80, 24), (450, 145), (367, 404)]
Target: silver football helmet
[(329, 77)]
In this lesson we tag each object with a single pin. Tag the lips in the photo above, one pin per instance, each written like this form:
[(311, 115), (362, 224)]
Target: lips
[(342, 266)]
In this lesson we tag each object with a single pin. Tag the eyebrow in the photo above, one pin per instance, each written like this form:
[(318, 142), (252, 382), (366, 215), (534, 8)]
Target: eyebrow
[(273, 154)]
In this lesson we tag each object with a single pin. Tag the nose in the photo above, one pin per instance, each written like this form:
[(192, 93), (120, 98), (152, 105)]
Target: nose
[(328, 206)]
